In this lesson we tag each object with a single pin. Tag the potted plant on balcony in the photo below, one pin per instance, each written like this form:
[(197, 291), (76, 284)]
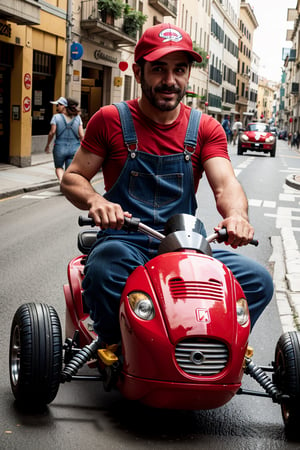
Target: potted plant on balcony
[(133, 21), (204, 55), (110, 10)]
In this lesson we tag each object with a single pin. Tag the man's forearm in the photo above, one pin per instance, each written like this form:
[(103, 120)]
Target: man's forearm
[(78, 190), (232, 202)]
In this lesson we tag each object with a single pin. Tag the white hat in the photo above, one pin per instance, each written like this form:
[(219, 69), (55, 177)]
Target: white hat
[(60, 101)]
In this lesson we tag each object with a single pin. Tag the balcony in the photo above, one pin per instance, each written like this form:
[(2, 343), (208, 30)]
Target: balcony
[(165, 7), (95, 22), (21, 12)]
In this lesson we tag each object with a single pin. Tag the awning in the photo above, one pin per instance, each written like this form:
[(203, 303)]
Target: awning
[(214, 109), (191, 94)]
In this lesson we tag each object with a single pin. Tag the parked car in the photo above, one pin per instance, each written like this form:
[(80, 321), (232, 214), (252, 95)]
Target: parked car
[(274, 130), (257, 137), (283, 135)]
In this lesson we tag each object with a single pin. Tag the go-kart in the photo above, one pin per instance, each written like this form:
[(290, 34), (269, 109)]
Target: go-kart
[(184, 324)]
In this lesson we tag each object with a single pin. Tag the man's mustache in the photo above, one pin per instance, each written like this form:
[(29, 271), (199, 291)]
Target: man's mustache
[(170, 90)]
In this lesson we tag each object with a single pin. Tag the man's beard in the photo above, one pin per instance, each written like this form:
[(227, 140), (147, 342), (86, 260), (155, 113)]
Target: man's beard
[(160, 103)]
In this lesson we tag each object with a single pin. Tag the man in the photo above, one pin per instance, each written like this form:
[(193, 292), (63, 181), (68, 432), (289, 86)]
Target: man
[(236, 127), (154, 176), (227, 129)]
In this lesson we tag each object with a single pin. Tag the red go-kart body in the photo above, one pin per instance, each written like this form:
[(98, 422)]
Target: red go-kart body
[(184, 325), (191, 354)]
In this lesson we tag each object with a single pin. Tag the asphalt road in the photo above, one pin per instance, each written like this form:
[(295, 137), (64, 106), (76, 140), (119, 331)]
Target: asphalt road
[(38, 238)]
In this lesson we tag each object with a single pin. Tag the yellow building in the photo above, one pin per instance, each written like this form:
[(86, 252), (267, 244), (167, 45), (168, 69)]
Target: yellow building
[(32, 73)]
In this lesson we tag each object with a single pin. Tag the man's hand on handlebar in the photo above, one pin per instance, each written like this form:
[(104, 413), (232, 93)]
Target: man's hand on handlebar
[(239, 231), (107, 214)]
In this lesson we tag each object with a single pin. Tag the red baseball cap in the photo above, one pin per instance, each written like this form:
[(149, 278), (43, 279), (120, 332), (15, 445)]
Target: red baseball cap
[(162, 39)]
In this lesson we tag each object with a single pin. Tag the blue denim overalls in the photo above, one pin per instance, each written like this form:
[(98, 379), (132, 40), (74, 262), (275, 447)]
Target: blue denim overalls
[(66, 141), (152, 188)]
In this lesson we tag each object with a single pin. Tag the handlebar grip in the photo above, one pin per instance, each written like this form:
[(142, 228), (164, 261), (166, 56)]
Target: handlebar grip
[(85, 221), (130, 224), (223, 236)]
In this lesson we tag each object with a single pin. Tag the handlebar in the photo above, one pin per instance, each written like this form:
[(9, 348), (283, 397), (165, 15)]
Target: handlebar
[(222, 236), (135, 224), (130, 224)]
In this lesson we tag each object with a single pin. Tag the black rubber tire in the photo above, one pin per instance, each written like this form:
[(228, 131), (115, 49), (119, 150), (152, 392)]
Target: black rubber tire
[(273, 151), (239, 149), (35, 355), (287, 378)]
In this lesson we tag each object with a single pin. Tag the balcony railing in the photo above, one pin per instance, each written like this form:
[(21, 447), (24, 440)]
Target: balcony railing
[(94, 22), (165, 7)]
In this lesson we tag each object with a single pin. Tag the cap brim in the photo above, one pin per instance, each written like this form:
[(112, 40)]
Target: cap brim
[(161, 52)]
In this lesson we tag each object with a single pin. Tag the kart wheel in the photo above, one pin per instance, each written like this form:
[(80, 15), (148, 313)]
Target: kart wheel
[(287, 378), (35, 355)]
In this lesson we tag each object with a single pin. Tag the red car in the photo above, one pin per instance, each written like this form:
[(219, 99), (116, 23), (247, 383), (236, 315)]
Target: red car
[(257, 138)]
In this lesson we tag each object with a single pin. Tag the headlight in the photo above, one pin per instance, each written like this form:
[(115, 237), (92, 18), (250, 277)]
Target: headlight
[(270, 139), (242, 311), (244, 137), (141, 304)]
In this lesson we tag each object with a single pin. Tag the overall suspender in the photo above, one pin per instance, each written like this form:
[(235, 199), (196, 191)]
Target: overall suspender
[(130, 137)]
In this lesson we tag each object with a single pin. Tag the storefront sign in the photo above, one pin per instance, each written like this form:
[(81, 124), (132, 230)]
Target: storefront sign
[(98, 54), (5, 29), (15, 112), (26, 104), (27, 80), (123, 65), (76, 75), (118, 81)]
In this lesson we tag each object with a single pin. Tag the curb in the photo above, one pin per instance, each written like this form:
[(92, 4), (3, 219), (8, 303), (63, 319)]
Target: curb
[(293, 181), (35, 187)]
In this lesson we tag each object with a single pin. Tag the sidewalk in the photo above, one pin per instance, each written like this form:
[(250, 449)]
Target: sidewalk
[(16, 180), (40, 175)]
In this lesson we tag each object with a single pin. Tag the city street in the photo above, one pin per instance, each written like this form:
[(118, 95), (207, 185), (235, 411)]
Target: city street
[(39, 237)]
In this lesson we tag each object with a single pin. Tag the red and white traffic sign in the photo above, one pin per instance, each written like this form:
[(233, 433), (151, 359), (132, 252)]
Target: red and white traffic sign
[(26, 104), (27, 80)]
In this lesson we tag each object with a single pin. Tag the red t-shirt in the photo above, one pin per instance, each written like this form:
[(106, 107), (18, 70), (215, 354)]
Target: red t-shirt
[(104, 137)]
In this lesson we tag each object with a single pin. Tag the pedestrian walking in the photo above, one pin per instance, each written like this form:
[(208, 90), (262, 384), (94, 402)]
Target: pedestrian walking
[(227, 129), (236, 127), (153, 151), (294, 142), (66, 126)]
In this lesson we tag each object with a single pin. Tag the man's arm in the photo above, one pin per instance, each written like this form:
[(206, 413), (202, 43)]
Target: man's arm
[(50, 137), (78, 190), (231, 201)]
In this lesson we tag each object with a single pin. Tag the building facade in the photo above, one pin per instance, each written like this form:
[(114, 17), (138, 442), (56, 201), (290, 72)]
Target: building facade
[(223, 58), (247, 26), (103, 74), (32, 72)]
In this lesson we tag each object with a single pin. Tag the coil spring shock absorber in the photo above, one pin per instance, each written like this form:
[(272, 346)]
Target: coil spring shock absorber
[(262, 378), (81, 357)]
